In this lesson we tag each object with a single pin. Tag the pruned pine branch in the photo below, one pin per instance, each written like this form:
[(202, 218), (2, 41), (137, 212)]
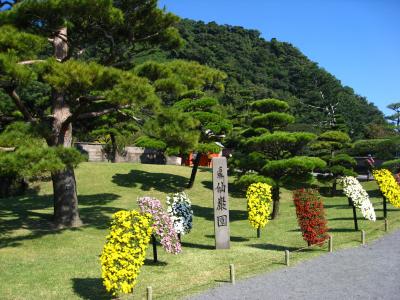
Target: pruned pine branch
[(20, 105), (7, 149), (31, 62), (95, 114)]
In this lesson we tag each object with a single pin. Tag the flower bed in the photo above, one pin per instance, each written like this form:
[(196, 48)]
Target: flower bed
[(259, 204), (180, 210), (354, 190), (388, 186), (163, 225), (310, 215), (125, 250)]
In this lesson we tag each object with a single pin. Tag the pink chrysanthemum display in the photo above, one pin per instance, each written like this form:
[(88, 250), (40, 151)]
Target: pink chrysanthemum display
[(163, 225)]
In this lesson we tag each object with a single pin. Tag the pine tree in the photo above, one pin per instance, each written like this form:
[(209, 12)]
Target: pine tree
[(338, 164), (269, 155), (76, 90)]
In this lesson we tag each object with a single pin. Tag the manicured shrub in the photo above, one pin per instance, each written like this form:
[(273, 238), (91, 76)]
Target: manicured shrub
[(392, 165), (125, 250), (179, 207), (162, 224), (388, 186), (310, 215), (259, 204)]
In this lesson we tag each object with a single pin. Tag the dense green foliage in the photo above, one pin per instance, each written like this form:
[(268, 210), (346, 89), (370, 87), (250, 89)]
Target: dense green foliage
[(258, 69), (78, 81), (395, 117), (263, 149), (326, 146), (387, 148)]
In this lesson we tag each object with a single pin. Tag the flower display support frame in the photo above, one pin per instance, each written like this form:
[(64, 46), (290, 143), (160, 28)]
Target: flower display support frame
[(154, 242), (354, 214), (384, 207)]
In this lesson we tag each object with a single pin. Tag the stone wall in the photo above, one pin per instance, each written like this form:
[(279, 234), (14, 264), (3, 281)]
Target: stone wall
[(95, 153)]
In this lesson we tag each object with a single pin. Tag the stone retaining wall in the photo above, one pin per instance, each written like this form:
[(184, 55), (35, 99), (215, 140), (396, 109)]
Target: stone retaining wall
[(95, 153)]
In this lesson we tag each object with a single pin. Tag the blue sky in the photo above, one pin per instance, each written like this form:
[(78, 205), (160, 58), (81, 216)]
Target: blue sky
[(358, 41)]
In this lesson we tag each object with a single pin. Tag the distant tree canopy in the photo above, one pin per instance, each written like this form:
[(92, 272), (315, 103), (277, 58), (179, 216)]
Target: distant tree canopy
[(258, 69)]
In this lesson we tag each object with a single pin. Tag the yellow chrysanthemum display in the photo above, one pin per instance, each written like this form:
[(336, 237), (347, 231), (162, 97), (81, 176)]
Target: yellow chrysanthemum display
[(125, 250), (259, 204), (388, 186)]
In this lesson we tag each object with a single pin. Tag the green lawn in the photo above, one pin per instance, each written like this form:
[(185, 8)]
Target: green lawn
[(38, 263)]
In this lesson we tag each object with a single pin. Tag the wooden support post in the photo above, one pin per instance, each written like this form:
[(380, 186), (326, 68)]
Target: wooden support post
[(154, 242), (354, 215), (287, 257), (384, 208), (258, 232), (363, 237), (330, 243), (386, 225), (232, 273), (149, 293)]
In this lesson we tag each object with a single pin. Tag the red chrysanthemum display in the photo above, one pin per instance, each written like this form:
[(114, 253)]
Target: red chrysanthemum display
[(310, 215)]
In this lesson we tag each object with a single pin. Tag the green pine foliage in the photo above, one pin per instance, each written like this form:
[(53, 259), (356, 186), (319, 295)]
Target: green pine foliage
[(265, 151)]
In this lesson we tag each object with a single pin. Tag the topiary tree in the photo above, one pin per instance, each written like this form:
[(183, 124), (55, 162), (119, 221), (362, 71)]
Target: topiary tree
[(191, 90), (265, 151), (326, 146)]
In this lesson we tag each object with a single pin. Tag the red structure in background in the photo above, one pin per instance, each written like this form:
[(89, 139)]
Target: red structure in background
[(397, 177), (205, 160)]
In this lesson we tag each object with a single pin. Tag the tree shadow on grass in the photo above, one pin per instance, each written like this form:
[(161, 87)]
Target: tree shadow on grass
[(90, 288), (34, 214), (375, 194), (162, 182), (208, 213), (344, 219), (341, 230), (273, 247), (337, 206), (232, 238), (198, 246), (151, 263)]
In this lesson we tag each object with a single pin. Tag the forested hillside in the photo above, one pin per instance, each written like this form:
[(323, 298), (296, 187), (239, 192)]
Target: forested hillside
[(259, 69)]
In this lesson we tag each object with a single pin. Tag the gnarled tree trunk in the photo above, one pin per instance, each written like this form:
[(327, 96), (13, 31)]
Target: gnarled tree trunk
[(66, 212)]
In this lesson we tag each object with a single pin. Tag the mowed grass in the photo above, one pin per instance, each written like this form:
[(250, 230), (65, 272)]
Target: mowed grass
[(39, 263)]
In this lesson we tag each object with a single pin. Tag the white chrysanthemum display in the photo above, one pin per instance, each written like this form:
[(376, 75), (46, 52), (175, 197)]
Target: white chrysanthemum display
[(354, 190), (180, 210)]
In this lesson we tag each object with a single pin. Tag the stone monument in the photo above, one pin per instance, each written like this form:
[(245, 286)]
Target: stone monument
[(221, 203)]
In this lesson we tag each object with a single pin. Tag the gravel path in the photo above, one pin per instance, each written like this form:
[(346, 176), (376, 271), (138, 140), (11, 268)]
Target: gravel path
[(366, 272)]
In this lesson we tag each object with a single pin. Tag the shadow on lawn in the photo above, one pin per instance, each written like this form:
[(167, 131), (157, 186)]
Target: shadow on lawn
[(162, 182), (198, 246), (208, 213), (26, 212), (90, 288), (273, 247), (232, 238)]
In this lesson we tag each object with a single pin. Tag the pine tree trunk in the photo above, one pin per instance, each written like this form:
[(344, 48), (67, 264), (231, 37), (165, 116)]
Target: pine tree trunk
[(66, 212), (275, 199), (194, 170), (333, 190), (113, 148)]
